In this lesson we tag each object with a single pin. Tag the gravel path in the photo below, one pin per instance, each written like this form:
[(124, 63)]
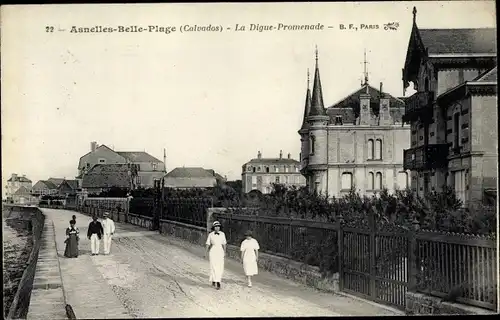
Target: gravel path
[(157, 276)]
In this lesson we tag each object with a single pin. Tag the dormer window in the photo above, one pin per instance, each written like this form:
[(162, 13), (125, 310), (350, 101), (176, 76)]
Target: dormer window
[(338, 120)]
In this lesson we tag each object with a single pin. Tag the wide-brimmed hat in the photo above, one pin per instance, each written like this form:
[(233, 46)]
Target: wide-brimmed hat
[(248, 233), (216, 224), (105, 214)]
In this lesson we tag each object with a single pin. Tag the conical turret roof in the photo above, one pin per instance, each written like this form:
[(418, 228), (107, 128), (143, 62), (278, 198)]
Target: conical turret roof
[(317, 106), (307, 107)]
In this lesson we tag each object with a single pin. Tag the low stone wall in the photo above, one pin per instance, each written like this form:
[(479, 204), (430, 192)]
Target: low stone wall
[(193, 234), (138, 220), (113, 214), (293, 270), (422, 304)]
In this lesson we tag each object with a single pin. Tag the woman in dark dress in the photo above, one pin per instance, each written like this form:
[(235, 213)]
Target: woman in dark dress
[(72, 238)]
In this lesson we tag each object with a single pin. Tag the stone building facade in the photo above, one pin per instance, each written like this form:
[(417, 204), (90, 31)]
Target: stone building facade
[(261, 173), (453, 114), (355, 143)]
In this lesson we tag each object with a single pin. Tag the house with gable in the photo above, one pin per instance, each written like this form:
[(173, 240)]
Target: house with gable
[(148, 167), (102, 177), (354, 143), (68, 187), (23, 196), (453, 114), (44, 187), (56, 181), (190, 178), (14, 183)]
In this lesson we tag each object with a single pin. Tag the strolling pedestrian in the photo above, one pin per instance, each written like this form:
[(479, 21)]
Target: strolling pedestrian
[(249, 255), (72, 238), (108, 227), (216, 249), (94, 234)]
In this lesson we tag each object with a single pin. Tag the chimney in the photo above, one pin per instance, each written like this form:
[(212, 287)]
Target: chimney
[(384, 115), (24, 176), (14, 176), (281, 154), (93, 146), (289, 155), (259, 155), (364, 109)]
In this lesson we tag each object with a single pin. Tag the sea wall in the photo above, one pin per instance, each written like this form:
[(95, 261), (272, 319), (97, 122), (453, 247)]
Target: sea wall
[(33, 219)]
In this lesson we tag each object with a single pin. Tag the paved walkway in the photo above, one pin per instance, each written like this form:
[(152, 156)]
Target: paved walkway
[(151, 275)]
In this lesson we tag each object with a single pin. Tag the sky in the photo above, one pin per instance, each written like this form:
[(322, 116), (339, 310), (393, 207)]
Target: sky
[(211, 99)]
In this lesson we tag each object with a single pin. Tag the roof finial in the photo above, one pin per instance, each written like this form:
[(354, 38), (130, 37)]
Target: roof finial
[(365, 69), (308, 78), (414, 14)]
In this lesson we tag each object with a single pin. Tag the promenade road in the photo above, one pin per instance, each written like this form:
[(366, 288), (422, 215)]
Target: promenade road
[(152, 275)]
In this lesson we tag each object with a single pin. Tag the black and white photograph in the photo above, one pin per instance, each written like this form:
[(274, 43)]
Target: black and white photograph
[(263, 159)]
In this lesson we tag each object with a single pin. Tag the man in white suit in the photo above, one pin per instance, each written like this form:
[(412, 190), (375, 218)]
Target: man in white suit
[(108, 227)]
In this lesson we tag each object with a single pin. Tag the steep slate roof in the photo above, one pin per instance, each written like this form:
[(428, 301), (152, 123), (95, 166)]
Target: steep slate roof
[(138, 156), (317, 106), (73, 184), (453, 41), (191, 177), (49, 184), (56, 181), (215, 174), (19, 179), (272, 161), (349, 106), (307, 105), (490, 76), (189, 172), (107, 176), (22, 191)]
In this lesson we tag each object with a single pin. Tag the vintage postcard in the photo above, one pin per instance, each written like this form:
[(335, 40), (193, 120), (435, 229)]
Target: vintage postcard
[(249, 159)]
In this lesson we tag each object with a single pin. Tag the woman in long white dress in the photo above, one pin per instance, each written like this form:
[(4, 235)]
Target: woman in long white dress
[(216, 249), (249, 255)]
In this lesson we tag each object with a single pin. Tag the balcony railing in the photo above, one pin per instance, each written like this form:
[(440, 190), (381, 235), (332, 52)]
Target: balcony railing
[(431, 156), (418, 105)]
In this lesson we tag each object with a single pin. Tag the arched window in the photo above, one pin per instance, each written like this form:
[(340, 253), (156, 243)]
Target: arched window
[(378, 149), (253, 169), (312, 143), (371, 181), (346, 181), (267, 169), (402, 180), (378, 181), (370, 149)]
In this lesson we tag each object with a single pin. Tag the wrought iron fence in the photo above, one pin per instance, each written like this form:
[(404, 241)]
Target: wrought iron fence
[(191, 211), (380, 262), (311, 242), (458, 267), (142, 206)]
